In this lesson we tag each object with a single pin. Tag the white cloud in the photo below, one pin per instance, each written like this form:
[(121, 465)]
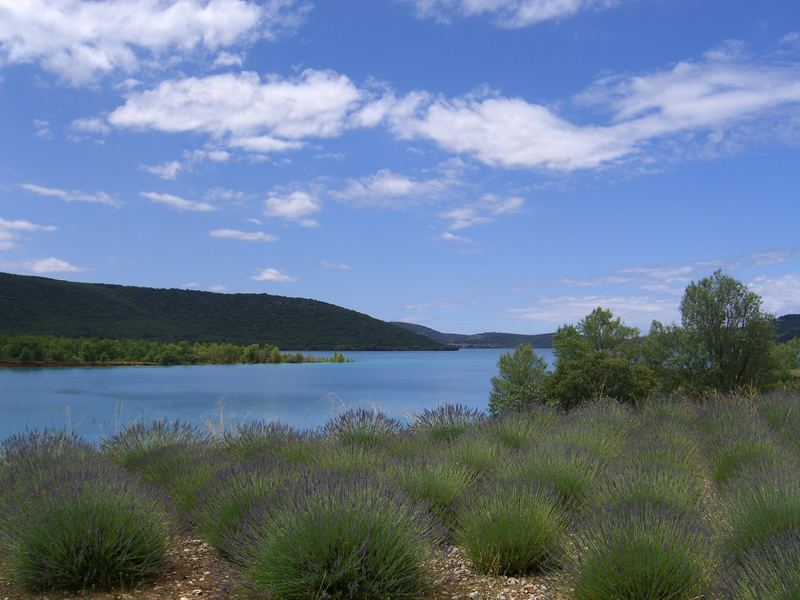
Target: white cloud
[(247, 236), (218, 288), (334, 266), (177, 202), (389, 189), (295, 206), (451, 237), (52, 265), (42, 129), (69, 195), (228, 59), (485, 210), (637, 310), (261, 115), (711, 96), (90, 125), (506, 13), (10, 230), (271, 274), (81, 40), (167, 170), (781, 295)]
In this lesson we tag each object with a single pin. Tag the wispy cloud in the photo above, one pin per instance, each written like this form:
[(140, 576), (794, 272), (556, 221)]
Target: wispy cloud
[(509, 14), (391, 190), (485, 210), (11, 229), (780, 294), (272, 274), (70, 195), (52, 265), (178, 203), (334, 266), (557, 310), (246, 236)]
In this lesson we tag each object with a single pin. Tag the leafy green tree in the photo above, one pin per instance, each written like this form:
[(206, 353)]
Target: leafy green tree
[(520, 381), (725, 341), (600, 357)]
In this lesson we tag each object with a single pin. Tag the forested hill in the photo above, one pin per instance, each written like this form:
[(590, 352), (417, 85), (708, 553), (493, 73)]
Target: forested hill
[(788, 327), (37, 305), (481, 340)]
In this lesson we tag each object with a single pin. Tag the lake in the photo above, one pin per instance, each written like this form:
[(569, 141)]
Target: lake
[(94, 402)]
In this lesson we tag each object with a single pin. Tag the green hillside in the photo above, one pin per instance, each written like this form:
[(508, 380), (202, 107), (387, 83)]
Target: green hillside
[(37, 305), (481, 340), (788, 327)]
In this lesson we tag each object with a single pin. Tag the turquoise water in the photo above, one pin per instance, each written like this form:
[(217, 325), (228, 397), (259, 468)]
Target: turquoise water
[(95, 401)]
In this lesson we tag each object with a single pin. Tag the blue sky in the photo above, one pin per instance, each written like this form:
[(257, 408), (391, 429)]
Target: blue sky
[(470, 165)]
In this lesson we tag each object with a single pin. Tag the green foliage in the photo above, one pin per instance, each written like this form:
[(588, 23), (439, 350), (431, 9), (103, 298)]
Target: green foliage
[(439, 484), (642, 485), (447, 421), (35, 305), (512, 529), (477, 453), (32, 349), (520, 382), (343, 539), (227, 500), (725, 341), (261, 439), (640, 555), (769, 573), (762, 508), (362, 427), (568, 471), (596, 359), (74, 526)]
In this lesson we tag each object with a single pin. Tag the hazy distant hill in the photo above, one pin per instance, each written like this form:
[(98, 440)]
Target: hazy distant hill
[(788, 327), (37, 305), (481, 340)]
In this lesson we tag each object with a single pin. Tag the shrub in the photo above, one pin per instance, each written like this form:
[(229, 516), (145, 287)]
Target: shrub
[(639, 554), (134, 443), (340, 538), (440, 485), (514, 431), (569, 471), (763, 507), (511, 529), (669, 489), (741, 455), (83, 528), (262, 439), (477, 453), (227, 500), (31, 450), (769, 573), (520, 381), (346, 459), (448, 421), (363, 428)]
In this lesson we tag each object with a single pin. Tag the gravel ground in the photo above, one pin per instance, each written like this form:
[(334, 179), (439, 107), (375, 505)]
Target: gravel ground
[(198, 573)]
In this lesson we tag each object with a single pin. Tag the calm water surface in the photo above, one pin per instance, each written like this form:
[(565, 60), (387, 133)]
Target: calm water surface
[(94, 401)]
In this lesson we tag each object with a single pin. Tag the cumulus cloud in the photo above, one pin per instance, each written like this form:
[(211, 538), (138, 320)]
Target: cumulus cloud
[(80, 41), (178, 203), (90, 125), (52, 265), (168, 170), (11, 229), (261, 115), (389, 189), (506, 13), (191, 160), (272, 274), (711, 96), (247, 236), (295, 206), (69, 195)]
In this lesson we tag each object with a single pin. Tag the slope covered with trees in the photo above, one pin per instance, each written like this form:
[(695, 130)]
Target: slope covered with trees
[(41, 306), (491, 339)]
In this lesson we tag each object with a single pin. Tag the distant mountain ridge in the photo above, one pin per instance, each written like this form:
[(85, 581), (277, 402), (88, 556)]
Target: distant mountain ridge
[(481, 340), (38, 305)]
